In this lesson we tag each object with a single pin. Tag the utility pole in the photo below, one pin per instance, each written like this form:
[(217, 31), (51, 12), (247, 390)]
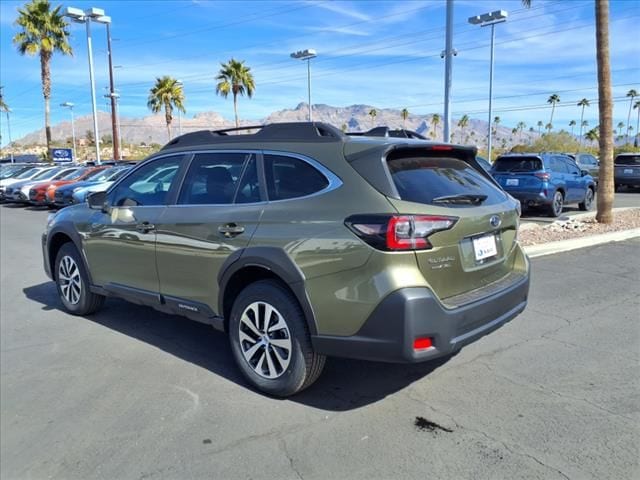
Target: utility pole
[(114, 104), (449, 52)]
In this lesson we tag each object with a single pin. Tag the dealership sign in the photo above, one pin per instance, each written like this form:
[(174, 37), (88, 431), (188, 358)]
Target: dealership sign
[(61, 155)]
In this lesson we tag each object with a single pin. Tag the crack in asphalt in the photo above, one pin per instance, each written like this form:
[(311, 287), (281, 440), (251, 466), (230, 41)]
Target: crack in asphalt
[(283, 445)]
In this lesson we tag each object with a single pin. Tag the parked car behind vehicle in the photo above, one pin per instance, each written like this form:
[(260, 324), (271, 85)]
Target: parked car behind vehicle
[(64, 193), (587, 162), (626, 170), (546, 180), (19, 192), (13, 169), (24, 175), (80, 195), (44, 193), (301, 242)]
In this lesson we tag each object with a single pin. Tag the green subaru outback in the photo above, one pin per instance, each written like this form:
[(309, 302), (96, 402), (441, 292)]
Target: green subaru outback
[(301, 242)]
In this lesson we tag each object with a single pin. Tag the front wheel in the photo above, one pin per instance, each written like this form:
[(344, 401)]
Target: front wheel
[(555, 209), (270, 340), (587, 204), (73, 283)]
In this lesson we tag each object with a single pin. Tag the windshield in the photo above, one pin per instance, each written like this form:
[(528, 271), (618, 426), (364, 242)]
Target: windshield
[(28, 173), (438, 180), (99, 175), (627, 160), (49, 173), (116, 175), (77, 174), (517, 164), (63, 173)]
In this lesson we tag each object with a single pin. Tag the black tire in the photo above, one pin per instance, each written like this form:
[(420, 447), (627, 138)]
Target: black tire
[(555, 208), (587, 204), (72, 284), (302, 365)]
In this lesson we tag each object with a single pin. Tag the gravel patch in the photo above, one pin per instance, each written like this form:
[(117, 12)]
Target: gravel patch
[(585, 226)]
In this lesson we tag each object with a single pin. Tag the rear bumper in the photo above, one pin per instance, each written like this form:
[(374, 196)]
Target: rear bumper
[(411, 313), (627, 180), (531, 199)]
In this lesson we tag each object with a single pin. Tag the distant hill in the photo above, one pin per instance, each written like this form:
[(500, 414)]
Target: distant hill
[(152, 128)]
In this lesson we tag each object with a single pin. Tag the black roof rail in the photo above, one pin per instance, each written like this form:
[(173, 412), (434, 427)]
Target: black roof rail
[(272, 132), (388, 132)]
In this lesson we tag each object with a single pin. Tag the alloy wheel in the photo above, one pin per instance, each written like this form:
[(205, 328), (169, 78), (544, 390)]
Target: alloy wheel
[(69, 280), (265, 340), (557, 203)]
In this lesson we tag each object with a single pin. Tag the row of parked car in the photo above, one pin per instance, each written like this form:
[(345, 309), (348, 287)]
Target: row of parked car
[(53, 185)]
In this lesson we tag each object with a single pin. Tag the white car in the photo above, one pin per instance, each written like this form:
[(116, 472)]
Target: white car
[(26, 175), (19, 192)]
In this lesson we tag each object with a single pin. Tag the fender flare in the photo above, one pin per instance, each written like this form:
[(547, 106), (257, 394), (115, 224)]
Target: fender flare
[(67, 229), (276, 261)]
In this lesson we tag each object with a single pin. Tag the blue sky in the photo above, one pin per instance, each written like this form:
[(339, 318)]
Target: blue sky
[(382, 53)]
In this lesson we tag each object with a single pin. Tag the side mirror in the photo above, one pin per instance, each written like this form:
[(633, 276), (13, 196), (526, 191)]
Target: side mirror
[(97, 200), (583, 173)]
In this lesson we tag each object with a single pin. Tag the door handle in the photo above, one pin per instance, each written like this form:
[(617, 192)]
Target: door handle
[(231, 230), (145, 227)]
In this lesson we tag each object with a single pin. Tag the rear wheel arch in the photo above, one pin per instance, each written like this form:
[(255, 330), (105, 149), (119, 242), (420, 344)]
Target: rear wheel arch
[(261, 263)]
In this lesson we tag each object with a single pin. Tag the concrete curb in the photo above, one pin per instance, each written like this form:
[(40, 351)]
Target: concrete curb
[(559, 246)]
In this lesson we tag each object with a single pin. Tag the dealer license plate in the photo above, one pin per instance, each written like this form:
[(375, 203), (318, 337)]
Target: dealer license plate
[(485, 247), (512, 182)]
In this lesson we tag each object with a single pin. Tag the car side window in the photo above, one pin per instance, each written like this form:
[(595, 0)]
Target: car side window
[(147, 185), (213, 179), (557, 165), (571, 167), (289, 177), (591, 160)]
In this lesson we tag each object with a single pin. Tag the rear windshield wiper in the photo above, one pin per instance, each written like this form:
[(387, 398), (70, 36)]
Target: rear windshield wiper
[(474, 199)]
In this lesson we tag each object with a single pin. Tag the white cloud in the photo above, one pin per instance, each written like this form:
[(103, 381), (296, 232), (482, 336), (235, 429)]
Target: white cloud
[(344, 9)]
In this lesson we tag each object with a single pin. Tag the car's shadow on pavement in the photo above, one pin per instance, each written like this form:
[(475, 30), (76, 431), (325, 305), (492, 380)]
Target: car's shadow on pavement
[(344, 384)]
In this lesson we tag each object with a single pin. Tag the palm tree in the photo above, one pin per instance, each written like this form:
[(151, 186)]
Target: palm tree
[(592, 135), (548, 127), (372, 113), (620, 126), (521, 126), (44, 31), (167, 93), (540, 124), (582, 103), (553, 99), (636, 106), (572, 124), (435, 120), (405, 114), (236, 78), (3, 106), (631, 94), (462, 123)]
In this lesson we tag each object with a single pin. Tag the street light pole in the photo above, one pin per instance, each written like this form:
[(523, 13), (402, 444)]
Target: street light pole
[(86, 17), (307, 55), (69, 105), (114, 104), (486, 20), (448, 67)]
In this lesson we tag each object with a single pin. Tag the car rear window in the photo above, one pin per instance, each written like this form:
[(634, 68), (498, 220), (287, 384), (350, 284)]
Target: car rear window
[(442, 181), (627, 160), (517, 164)]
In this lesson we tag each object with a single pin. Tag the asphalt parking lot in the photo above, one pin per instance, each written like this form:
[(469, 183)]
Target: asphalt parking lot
[(136, 394)]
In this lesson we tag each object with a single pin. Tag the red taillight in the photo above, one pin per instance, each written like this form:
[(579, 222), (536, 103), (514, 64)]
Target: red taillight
[(398, 232), (544, 176), (422, 343)]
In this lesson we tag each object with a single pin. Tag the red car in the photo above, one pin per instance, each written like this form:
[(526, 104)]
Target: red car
[(43, 193)]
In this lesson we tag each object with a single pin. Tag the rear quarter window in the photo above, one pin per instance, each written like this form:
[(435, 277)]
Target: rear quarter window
[(423, 179), (627, 160)]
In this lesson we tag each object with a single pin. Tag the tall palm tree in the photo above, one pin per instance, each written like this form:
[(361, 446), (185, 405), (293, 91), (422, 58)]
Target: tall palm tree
[(553, 99), (582, 103), (631, 94), (521, 126), (462, 123), (236, 78), (572, 124), (435, 120), (44, 31), (167, 93), (592, 135), (620, 126), (372, 113), (496, 122), (604, 212), (3, 106), (636, 106), (405, 114), (540, 124)]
